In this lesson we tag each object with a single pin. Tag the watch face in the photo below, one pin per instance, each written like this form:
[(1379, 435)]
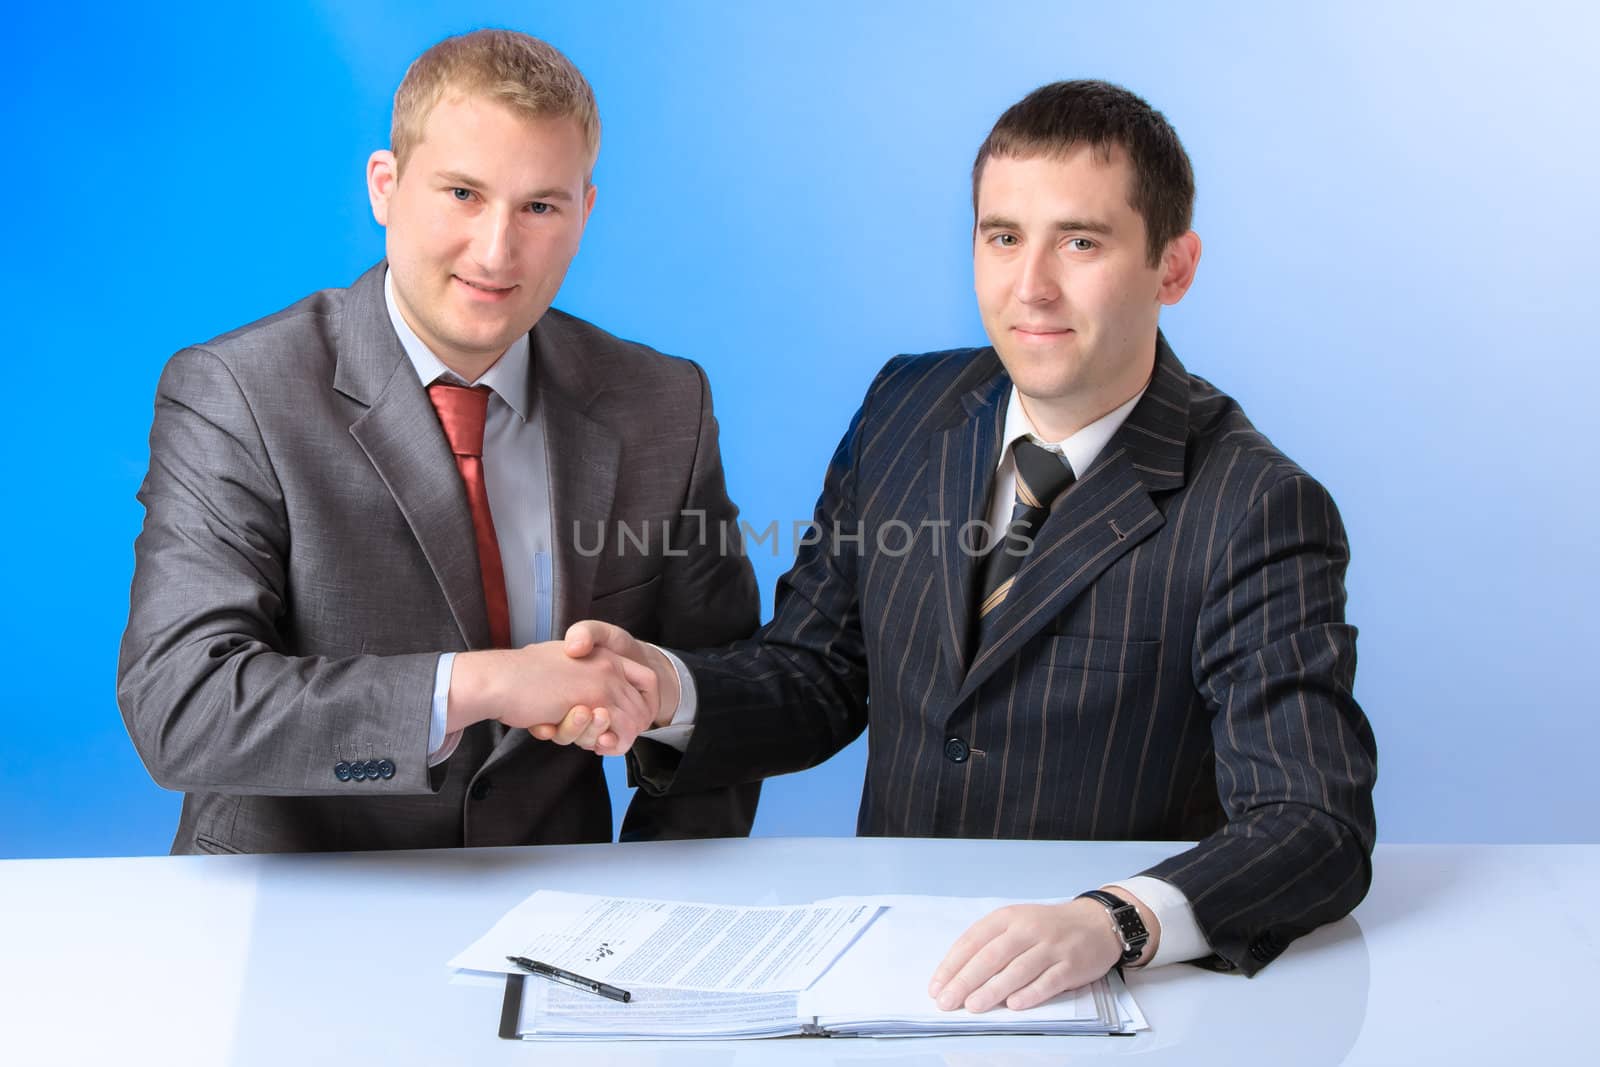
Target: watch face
[(1134, 934), (1125, 917)]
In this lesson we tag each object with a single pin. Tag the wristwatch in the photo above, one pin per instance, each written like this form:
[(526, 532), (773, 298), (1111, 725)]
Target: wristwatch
[(1125, 919)]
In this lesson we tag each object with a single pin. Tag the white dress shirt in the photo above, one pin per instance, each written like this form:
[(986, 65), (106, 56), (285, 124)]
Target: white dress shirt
[(1181, 938), (515, 478)]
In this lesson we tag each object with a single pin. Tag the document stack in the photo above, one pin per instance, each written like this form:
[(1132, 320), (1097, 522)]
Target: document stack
[(848, 966)]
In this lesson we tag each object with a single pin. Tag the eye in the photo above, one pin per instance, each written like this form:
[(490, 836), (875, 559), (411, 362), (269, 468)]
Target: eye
[(462, 195), (1004, 240), (539, 207), (1081, 244)]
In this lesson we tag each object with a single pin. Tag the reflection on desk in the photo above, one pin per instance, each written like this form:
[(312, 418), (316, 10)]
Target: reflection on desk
[(333, 958)]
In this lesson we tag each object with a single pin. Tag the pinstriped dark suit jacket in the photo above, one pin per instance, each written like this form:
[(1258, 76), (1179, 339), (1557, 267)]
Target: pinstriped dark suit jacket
[(1172, 663)]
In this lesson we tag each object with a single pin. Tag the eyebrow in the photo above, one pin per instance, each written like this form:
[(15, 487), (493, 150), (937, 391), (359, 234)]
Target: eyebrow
[(999, 222), (554, 192)]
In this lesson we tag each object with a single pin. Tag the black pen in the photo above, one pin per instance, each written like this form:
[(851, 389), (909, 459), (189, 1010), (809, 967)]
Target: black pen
[(576, 981)]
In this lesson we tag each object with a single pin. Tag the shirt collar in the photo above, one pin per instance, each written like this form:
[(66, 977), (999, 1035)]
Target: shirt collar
[(1079, 450), (507, 378)]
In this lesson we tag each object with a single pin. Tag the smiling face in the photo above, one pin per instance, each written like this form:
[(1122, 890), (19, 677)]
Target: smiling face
[(1064, 283), (482, 225)]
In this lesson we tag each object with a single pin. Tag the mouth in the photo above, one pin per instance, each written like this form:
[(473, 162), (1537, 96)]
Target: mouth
[(1040, 334), (483, 290)]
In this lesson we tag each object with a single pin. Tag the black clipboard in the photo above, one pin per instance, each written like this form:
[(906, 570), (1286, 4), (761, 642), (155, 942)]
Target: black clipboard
[(511, 1016), (511, 1008)]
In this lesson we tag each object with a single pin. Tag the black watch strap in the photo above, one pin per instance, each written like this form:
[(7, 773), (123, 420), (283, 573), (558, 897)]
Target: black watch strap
[(1125, 919)]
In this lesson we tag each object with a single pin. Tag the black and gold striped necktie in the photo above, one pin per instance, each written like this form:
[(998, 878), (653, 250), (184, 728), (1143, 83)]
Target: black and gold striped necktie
[(1042, 475)]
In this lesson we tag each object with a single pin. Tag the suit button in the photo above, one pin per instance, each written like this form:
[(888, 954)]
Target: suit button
[(358, 770), (341, 771), (956, 750), (1265, 948), (373, 768), (385, 769), (482, 788)]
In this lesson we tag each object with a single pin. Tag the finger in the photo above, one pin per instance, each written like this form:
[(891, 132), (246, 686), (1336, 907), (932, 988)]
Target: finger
[(975, 937), (1023, 969), (631, 715), (570, 728), (544, 731), (643, 678), (987, 962), (608, 744), (600, 722), (1054, 979)]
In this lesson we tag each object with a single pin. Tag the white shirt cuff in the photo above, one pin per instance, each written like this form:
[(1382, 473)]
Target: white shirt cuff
[(676, 734), (441, 746), (1181, 938)]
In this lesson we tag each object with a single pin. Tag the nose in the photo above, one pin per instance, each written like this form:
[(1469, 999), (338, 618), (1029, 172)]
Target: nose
[(1036, 281), (493, 244)]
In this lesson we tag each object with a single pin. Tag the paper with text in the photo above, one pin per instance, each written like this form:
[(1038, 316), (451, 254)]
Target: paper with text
[(555, 1011), (673, 944)]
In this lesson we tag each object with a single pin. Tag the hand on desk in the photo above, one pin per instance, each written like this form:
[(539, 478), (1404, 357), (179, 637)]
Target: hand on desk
[(538, 686), (1022, 955), (611, 730)]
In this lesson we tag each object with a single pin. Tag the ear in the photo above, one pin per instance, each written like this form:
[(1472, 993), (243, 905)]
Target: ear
[(588, 203), (382, 175), (1178, 264)]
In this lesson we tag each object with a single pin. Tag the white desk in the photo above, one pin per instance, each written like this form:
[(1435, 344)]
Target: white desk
[(291, 960)]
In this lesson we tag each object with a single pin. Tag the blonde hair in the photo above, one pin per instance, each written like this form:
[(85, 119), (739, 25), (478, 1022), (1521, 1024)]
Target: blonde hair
[(525, 73)]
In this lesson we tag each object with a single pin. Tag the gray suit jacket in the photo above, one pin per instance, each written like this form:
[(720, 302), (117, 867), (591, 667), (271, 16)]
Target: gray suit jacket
[(308, 552), (1172, 662)]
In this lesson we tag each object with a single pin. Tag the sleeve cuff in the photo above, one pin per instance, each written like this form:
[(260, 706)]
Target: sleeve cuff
[(1181, 938), (676, 734), (441, 745)]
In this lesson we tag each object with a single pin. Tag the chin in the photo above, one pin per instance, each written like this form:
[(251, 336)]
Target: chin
[(1045, 392), (1036, 376)]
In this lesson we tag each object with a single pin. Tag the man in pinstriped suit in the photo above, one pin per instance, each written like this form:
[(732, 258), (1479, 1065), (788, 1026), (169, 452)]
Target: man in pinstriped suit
[(1170, 659)]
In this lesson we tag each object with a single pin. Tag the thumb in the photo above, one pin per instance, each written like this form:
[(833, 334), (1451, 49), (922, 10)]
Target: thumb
[(586, 636)]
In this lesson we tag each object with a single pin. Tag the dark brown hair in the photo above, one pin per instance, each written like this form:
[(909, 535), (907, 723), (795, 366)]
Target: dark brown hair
[(1055, 118)]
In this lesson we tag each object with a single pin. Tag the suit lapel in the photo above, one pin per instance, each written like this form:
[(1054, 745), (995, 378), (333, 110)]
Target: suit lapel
[(962, 460), (1100, 519), (584, 457), (401, 436), (1094, 524)]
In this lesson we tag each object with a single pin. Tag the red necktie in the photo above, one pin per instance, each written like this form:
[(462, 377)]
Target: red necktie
[(462, 410)]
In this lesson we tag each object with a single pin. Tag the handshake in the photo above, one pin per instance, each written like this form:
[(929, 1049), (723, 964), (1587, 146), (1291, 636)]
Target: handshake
[(598, 689)]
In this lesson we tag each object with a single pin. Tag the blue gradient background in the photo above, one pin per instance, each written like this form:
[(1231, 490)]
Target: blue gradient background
[(1399, 224)]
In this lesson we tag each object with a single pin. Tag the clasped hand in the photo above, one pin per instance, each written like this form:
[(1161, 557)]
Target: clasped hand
[(610, 729), (537, 686)]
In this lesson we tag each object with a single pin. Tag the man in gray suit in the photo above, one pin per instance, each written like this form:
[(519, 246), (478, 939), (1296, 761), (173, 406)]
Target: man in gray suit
[(1157, 650), (369, 515)]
